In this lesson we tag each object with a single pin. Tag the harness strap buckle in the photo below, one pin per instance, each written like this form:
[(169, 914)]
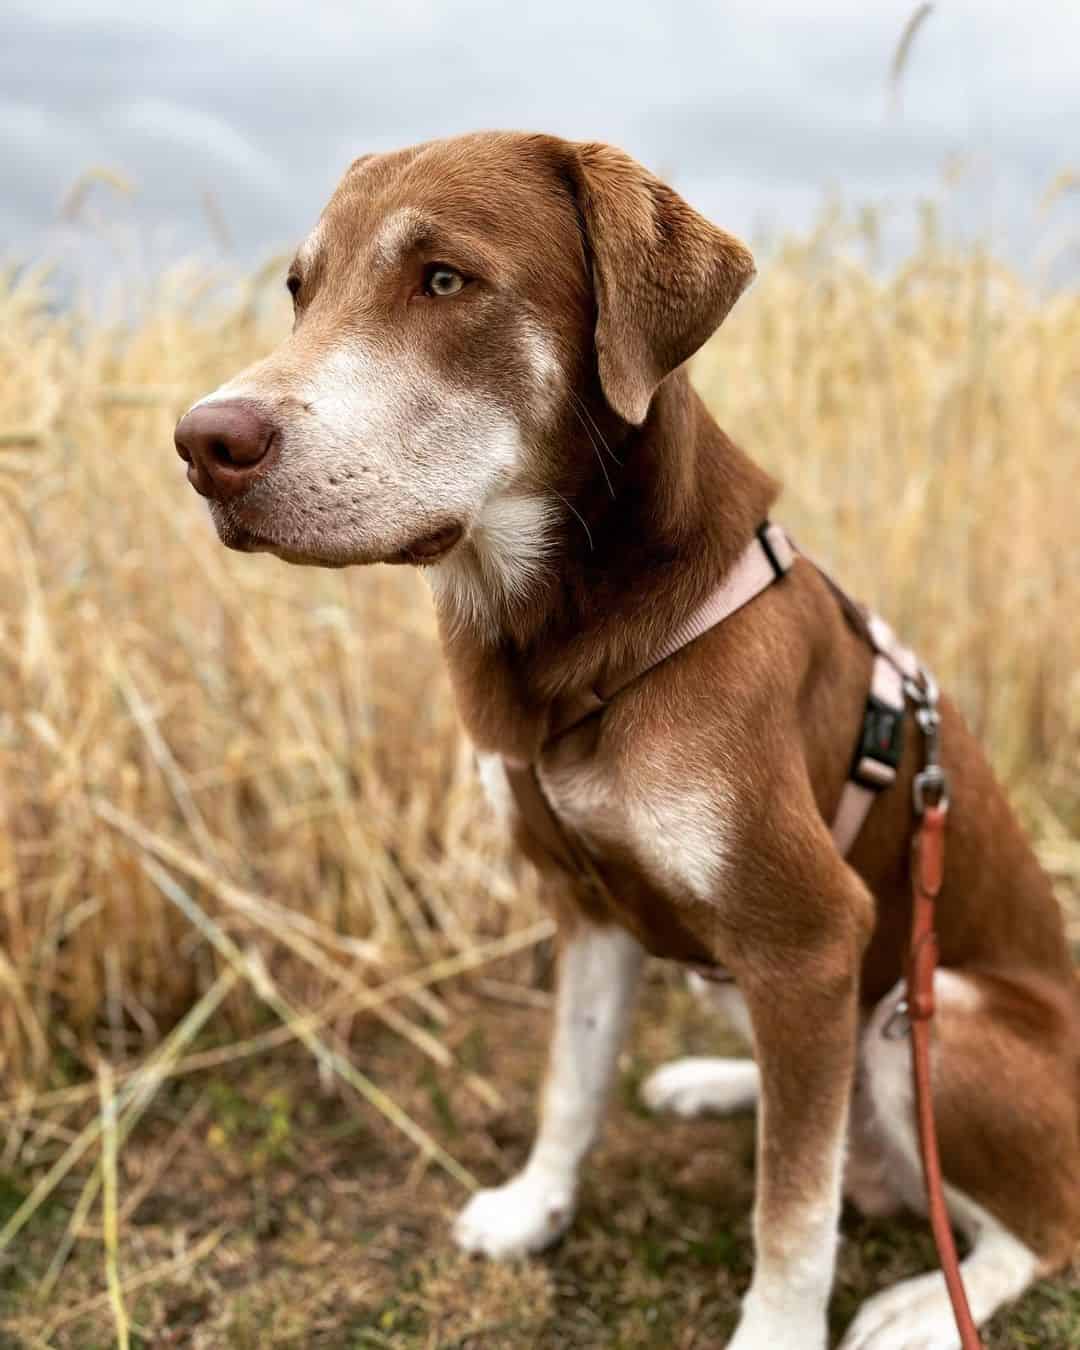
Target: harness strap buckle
[(776, 547), (898, 1023), (930, 787), (881, 745)]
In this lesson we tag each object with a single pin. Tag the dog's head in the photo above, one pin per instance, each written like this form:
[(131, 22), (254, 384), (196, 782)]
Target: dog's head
[(454, 305)]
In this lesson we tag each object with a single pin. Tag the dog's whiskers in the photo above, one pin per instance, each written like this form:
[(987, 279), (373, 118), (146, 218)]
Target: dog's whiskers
[(592, 422), (571, 507), (596, 449)]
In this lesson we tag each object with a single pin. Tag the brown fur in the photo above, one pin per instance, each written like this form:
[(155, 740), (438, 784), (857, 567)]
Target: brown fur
[(627, 282), (775, 695)]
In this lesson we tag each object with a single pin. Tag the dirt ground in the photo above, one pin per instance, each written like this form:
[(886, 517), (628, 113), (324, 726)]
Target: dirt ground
[(260, 1211)]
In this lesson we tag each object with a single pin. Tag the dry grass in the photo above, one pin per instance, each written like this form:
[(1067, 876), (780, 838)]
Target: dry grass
[(237, 791)]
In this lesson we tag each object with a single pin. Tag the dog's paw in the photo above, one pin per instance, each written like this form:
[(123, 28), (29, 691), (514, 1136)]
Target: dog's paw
[(912, 1315), (756, 1333), (695, 1086), (526, 1215)]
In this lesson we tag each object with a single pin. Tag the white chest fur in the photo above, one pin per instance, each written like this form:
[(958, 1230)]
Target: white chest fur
[(679, 833)]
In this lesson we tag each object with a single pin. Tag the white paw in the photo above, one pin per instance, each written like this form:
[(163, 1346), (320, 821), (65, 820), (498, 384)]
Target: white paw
[(913, 1315), (757, 1331), (693, 1086), (525, 1215)]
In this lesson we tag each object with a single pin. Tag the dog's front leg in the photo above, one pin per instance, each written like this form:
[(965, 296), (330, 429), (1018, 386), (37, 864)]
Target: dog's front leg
[(803, 1009), (598, 975)]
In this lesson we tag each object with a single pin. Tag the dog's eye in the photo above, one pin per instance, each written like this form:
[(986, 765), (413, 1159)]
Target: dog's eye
[(441, 280), (292, 284)]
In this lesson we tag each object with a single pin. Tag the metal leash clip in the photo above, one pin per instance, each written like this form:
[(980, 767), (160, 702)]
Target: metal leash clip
[(898, 1023), (930, 786)]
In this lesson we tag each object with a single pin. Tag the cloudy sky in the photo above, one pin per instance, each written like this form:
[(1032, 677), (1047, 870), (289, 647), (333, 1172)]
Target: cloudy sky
[(754, 108)]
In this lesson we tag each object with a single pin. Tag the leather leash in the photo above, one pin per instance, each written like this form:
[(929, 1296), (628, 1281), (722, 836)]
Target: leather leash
[(931, 799)]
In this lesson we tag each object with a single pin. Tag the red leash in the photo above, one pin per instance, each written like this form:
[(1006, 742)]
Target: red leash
[(927, 870)]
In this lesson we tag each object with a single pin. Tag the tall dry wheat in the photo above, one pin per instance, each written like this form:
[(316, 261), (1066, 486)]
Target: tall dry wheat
[(290, 731)]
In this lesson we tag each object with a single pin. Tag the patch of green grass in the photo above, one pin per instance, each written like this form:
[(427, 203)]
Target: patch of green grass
[(260, 1128), (1048, 1316), (440, 1103), (474, 1052), (12, 1193), (722, 1249)]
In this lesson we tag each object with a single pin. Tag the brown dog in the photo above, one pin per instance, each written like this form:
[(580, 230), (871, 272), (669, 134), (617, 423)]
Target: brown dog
[(484, 377)]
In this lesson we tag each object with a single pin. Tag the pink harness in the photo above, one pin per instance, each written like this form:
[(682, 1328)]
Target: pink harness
[(768, 557)]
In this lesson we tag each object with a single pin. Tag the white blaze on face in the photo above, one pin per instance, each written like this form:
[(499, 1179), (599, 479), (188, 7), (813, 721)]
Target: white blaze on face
[(377, 449), (243, 386), (419, 451)]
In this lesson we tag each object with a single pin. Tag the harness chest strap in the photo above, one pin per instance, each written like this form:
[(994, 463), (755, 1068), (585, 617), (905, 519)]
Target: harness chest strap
[(877, 756), (767, 558)]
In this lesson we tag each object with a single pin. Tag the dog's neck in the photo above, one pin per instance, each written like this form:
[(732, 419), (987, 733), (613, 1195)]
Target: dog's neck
[(655, 519)]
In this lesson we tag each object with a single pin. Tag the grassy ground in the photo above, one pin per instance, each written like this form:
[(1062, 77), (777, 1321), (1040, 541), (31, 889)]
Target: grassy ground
[(282, 1215)]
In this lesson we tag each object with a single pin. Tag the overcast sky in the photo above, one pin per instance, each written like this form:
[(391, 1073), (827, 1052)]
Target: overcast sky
[(753, 108)]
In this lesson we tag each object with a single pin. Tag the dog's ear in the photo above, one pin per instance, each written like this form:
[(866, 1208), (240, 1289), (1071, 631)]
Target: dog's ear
[(664, 277)]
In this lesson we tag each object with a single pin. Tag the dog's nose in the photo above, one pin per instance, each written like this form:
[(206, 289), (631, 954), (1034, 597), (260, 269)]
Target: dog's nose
[(226, 446)]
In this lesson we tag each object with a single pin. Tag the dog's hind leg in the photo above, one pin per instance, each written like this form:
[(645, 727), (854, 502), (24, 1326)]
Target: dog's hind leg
[(714, 1085), (1007, 1129), (598, 976), (708, 1085)]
